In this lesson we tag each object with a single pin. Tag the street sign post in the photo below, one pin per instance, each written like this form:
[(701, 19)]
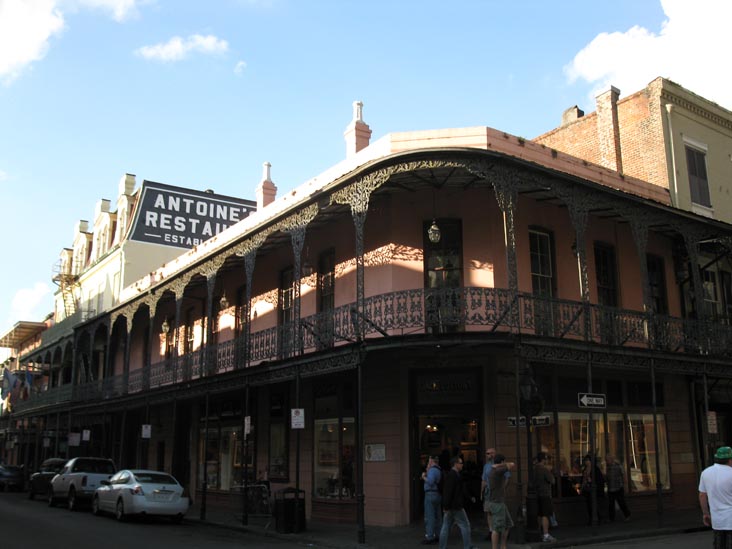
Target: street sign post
[(590, 400)]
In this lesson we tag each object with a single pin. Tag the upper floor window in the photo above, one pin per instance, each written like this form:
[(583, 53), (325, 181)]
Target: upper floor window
[(606, 275), (326, 281), (443, 259), (286, 296), (443, 276), (657, 284), (542, 263), (698, 183)]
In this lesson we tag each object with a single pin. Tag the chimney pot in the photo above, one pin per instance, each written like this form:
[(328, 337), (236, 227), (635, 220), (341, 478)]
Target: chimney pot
[(266, 191), (358, 133)]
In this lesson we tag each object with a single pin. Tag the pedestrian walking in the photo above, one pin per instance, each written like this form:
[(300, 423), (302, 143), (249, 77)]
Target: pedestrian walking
[(715, 497), (615, 477), (453, 498), (500, 517), (587, 483), (543, 481), (432, 501)]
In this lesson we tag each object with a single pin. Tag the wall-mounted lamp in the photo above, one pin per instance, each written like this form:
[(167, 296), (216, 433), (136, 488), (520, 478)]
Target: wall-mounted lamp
[(223, 303), (165, 327), (307, 267)]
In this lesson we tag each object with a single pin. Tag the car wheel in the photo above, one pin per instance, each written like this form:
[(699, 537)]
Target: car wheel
[(95, 506), (71, 500), (119, 513), (177, 519), (51, 499)]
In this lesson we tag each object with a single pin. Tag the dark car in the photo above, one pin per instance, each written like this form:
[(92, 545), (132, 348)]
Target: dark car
[(12, 477), (40, 480)]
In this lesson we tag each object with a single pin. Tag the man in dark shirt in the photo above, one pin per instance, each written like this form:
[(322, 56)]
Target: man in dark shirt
[(453, 494), (544, 480)]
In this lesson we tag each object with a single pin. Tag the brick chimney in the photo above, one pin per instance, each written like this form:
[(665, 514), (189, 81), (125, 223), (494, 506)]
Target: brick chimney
[(357, 133), (572, 114), (608, 129), (266, 191)]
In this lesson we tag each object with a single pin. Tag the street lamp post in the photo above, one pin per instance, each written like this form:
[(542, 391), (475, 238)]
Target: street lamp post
[(531, 405)]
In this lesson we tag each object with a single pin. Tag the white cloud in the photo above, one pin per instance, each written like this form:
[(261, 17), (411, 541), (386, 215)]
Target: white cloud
[(239, 68), (25, 29), (4, 176), (30, 303), (690, 49), (177, 48), (121, 10)]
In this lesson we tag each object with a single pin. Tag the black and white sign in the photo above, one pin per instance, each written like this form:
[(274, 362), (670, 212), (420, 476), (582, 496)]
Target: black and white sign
[(183, 218), (146, 430), (86, 435), (247, 425), (590, 400), (537, 421)]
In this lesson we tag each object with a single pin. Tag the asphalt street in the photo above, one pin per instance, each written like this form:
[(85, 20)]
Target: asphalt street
[(28, 524)]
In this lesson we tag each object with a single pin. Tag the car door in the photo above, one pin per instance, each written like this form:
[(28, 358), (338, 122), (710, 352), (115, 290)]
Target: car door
[(61, 481), (104, 493), (118, 486)]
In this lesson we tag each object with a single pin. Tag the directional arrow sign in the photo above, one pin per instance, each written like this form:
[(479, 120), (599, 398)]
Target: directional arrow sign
[(590, 400)]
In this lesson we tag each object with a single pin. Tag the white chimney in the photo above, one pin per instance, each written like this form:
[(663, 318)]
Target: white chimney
[(266, 191)]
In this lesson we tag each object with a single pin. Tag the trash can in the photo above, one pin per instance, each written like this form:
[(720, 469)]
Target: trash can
[(286, 501)]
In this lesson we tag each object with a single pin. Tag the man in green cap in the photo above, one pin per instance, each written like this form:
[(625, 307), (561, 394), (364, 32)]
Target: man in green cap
[(715, 497)]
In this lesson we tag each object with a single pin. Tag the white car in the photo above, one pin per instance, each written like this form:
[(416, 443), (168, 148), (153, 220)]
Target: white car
[(141, 492)]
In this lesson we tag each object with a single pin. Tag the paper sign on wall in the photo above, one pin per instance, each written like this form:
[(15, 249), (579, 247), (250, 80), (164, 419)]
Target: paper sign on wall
[(146, 430), (297, 418)]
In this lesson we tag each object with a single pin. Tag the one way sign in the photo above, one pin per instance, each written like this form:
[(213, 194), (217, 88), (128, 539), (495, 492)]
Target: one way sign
[(590, 400)]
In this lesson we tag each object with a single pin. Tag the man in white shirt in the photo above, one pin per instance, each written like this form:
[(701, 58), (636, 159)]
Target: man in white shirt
[(715, 497)]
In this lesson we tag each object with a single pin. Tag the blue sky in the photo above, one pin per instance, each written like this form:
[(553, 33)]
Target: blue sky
[(201, 93)]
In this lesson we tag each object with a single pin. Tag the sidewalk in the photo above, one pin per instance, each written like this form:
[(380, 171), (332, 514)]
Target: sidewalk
[(340, 536)]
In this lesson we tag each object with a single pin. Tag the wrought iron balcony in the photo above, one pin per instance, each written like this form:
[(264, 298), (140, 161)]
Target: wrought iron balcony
[(409, 313)]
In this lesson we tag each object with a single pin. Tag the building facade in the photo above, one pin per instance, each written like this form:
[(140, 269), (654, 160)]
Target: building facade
[(410, 301)]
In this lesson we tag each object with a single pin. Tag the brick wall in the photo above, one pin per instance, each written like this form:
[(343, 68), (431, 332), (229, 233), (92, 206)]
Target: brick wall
[(640, 129)]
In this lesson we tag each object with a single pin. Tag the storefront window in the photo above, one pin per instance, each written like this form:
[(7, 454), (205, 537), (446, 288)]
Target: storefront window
[(334, 474), (224, 463), (642, 452), (574, 444), (616, 439), (278, 462)]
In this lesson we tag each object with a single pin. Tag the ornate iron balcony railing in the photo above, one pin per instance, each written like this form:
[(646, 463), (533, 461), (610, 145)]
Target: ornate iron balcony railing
[(408, 312)]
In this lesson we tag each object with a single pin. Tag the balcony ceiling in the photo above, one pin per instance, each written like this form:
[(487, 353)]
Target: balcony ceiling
[(22, 331)]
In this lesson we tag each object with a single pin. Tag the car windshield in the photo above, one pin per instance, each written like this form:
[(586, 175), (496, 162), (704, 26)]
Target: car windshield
[(94, 466), (52, 466), (154, 478)]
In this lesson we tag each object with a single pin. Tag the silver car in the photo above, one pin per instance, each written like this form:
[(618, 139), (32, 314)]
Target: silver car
[(141, 492)]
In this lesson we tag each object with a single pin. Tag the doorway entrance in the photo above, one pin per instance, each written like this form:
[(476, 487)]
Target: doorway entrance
[(446, 423)]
